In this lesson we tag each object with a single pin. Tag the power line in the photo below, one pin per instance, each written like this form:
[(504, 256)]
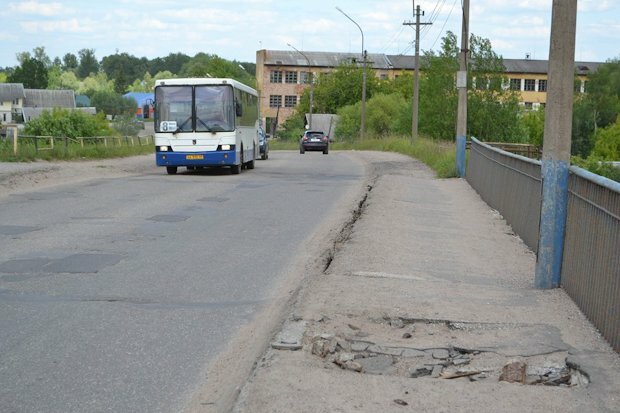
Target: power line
[(444, 25)]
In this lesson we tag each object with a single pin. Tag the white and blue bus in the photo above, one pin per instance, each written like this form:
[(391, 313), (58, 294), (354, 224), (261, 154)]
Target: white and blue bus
[(205, 122)]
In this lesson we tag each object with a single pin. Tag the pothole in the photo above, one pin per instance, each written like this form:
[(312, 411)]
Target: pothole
[(420, 359)]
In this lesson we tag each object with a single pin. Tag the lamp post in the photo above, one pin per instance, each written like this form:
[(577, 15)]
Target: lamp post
[(363, 122), (311, 84)]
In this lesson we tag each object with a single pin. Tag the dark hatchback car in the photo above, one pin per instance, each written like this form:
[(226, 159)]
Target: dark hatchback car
[(263, 144), (314, 141)]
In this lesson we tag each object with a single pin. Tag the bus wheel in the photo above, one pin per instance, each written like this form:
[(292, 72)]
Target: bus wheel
[(235, 169), (250, 165), (171, 170)]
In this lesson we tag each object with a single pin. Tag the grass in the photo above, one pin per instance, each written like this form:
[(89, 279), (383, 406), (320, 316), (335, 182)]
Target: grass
[(438, 155), (93, 149)]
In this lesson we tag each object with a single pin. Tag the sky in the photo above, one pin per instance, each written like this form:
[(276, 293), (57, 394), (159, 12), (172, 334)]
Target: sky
[(235, 30)]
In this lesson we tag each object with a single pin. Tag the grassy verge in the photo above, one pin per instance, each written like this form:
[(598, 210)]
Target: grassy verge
[(27, 152), (438, 155)]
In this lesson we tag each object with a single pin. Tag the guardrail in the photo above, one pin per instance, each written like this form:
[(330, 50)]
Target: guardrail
[(590, 274)]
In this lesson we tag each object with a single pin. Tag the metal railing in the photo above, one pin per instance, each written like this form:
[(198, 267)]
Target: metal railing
[(510, 184), (591, 260), (590, 273)]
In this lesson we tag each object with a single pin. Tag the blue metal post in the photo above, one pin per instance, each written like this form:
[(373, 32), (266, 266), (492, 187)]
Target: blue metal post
[(460, 155)]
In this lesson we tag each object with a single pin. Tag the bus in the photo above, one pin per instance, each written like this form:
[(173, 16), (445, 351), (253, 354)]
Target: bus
[(205, 122)]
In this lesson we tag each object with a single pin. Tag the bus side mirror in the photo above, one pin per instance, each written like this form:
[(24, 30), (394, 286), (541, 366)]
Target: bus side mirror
[(238, 109)]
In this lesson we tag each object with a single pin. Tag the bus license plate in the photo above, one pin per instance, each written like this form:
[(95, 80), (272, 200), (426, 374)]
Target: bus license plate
[(194, 157)]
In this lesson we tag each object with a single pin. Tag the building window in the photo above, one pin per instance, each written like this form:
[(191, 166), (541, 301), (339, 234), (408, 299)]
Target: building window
[(530, 85), (290, 101), (383, 76), (542, 85), (275, 101), (528, 105), (515, 84), (276, 76), (304, 78), (585, 86), (291, 77)]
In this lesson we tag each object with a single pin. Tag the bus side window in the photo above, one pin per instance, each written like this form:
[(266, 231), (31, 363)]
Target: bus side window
[(238, 109)]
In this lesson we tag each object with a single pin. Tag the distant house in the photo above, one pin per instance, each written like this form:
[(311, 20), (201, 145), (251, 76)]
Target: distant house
[(39, 100), (145, 101), (11, 102)]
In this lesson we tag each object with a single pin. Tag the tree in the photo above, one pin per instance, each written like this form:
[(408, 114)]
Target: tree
[(123, 68), (32, 74), (40, 54), (113, 104), (438, 95), (173, 63), (96, 83), (597, 108), (206, 65), (69, 62), (88, 63)]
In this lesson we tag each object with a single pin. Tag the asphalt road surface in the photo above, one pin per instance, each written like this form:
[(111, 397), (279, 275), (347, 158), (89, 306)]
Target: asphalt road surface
[(116, 292)]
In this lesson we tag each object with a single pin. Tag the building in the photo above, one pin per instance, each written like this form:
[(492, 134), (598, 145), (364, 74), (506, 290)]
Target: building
[(282, 77), (11, 102), (529, 77), (39, 100), (18, 105)]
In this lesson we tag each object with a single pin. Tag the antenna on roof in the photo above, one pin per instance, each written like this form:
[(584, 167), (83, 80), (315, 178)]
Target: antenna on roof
[(528, 56)]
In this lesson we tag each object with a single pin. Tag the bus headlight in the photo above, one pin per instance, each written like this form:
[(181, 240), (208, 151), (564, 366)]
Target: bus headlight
[(225, 147), (163, 149)]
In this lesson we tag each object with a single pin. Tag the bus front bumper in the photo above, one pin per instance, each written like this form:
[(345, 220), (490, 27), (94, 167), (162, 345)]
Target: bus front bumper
[(215, 158)]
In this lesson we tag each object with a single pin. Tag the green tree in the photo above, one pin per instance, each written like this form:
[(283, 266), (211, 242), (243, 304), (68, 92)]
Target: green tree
[(534, 123), (40, 54), (173, 63), (337, 89), (438, 95), (607, 142), (95, 83), (207, 65), (31, 73), (113, 104), (597, 108), (88, 63), (69, 62)]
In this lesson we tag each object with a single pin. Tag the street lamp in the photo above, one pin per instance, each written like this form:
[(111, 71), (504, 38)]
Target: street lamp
[(311, 84), (363, 75)]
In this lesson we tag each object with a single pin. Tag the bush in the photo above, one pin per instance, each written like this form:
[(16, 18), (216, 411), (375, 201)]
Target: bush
[(67, 123)]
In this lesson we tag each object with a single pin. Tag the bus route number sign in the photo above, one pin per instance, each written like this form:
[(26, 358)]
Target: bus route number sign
[(169, 126)]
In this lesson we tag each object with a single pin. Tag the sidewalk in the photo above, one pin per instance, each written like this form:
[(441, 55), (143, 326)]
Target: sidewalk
[(424, 309)]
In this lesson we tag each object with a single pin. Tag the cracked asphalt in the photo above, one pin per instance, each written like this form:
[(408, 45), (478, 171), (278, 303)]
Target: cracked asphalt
[(426, 304)]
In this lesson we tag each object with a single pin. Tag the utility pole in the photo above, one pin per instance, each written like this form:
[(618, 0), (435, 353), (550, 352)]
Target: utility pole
[(416, 74), (556, 144), (461, 84)]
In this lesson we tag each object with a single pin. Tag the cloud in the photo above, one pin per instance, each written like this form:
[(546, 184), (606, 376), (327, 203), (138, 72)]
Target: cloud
[(37, 8), (58, 26)]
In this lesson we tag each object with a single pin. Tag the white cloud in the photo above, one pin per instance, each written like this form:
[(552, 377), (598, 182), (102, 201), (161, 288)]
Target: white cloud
[(37, 8), (58, 26)]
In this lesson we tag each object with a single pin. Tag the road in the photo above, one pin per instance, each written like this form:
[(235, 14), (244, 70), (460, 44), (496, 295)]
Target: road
[(117, 292)]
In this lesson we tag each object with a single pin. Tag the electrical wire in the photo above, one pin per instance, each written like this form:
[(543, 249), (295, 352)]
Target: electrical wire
[(444, 25)]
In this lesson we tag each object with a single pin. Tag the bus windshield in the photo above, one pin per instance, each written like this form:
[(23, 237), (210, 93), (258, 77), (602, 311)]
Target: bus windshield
[(204, 108)]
